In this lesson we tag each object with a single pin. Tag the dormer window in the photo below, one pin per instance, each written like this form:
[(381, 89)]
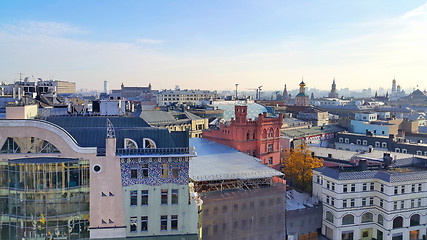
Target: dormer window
[(130, 144), (148, 143)]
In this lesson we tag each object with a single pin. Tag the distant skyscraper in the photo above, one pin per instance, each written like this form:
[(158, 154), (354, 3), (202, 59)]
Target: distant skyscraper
[(106, 87), (333, 93)]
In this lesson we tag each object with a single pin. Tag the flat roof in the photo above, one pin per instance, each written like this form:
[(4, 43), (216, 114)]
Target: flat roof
[(215, 161)]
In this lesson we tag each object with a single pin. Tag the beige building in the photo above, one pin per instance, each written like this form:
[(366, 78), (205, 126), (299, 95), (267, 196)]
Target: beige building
[(21, 111)]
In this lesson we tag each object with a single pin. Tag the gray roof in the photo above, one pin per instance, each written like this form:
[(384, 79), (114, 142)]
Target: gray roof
[(408, 174), (215, 161), (254, 109), (305, 132), (92, 131)]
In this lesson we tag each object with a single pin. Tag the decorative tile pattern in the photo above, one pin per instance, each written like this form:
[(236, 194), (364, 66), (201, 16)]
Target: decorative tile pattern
[(154, 170)]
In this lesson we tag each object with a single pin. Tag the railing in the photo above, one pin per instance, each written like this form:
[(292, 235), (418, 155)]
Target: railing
[(155, 151)]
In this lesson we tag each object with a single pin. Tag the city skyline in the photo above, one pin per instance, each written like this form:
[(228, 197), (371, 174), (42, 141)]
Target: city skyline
[(194, 44)]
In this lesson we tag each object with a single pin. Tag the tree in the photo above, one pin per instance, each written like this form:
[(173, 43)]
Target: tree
[(298, 166)]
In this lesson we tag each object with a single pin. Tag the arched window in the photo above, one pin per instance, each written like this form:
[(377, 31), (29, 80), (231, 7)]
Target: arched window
[(364, 142), (247, 135), (348, 219), (384, 144), (148, 143), (404, 150), (358, 141), (367, 217), (130, 144), (419, 152), (380, 219), (264, 133), (329, 217), (340, 140), (398, 222), (397, 150), (346, 140), (253, 137), (271, 133), (277, 132), (377, 144), (415, 220)]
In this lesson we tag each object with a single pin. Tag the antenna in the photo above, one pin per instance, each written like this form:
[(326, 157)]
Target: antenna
[(236, 89), (111, 133)]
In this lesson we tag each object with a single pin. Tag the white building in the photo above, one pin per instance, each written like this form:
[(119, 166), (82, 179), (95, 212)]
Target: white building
[(377, 203), (191, 97)]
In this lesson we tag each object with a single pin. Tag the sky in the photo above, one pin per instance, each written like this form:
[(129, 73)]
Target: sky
[(215, 44)]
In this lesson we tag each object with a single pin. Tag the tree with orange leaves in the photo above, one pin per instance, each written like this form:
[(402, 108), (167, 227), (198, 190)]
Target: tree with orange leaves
[(298, 166)]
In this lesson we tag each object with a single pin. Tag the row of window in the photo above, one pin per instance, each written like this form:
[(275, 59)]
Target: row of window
[(371, 187), (164, 197), (351, 202), (225, 208), (163, 223), (369, 217), (363, 142), (143, 172)]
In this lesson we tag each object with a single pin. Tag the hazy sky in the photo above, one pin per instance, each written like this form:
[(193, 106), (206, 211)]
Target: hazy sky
[(215, 44)]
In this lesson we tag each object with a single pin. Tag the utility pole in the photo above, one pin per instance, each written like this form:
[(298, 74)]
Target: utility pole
[(236, 89)]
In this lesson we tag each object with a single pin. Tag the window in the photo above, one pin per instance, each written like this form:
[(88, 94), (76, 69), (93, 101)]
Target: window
[(164, 222), (377, 144), (363, 201), (144, 197), (358, 141), (398, 222), (165, 170), (353, 187), (371, 201), (333, 186), (270, 147), (346, 140), (327, 199), (164, 196), (352, 202), (395, 190), (412, 203), (404, 150), (397, 150), (402, 189), (344, 188), (367, 217), (130, 144), (384, 144), (382, 188), (133, 173), (364, 187), (348, 219), (332, 201), (419, 152), (174, 222), (144, 223), (415, 220), (270, 161), (395, 205), (419, 202), (344, 203), (340, 139), (148, 143), (134, 197), (413, 188), (329, 217), (381, 203), (419, 187), (133, 224), (145, 170), (371, 186), (174, 196), (224, 209), (328, 184), (380, 219), (365, 143), (402, 204), (175, 170)]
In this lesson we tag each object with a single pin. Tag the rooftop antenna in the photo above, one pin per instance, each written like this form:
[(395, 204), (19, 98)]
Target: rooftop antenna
[(111, 133), (236, 89)]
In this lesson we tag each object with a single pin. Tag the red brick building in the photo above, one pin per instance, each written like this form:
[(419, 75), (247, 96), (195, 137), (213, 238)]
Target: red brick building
[(259, 138)]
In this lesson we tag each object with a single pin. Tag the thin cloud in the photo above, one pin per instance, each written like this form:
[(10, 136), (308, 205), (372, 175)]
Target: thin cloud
[(43, 28), (149, 41)]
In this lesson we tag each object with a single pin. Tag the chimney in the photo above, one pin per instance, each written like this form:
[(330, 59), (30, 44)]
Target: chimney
[(387, 160), (363, 164)]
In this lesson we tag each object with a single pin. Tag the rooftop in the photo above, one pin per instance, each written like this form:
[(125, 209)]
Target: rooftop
[(303, 132), (215, 161)]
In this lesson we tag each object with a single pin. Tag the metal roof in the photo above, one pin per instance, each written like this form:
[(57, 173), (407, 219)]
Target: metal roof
[(254, 109), (92, 131), (215, 161)]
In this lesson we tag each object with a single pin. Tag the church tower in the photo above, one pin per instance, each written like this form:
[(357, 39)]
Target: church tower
[(285, 94), (333, 93), (302, 99)]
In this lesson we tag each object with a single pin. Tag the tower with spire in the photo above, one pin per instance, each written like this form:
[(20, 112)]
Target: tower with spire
[(333, 93), (285, 94), (302, 99)]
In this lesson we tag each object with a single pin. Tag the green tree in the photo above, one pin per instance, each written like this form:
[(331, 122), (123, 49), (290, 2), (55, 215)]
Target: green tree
[(298, 166)]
